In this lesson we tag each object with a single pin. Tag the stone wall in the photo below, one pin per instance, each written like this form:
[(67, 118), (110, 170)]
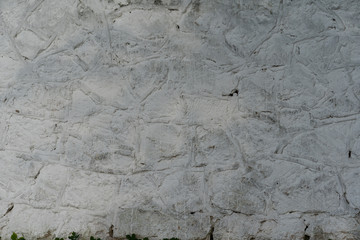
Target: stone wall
[(196, 119)]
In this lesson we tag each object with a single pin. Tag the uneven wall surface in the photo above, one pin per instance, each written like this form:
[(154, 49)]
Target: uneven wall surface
[(217, 119)]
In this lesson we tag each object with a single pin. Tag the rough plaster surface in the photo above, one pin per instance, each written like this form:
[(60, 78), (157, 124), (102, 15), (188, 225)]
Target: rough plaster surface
[(198, 119)]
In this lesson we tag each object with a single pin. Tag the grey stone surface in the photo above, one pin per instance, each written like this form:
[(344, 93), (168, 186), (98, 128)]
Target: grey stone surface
[(196, 119)]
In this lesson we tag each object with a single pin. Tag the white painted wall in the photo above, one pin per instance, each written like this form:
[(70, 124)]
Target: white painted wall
[(175, 117)]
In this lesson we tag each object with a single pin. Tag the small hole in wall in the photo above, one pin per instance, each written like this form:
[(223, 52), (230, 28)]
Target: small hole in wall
[(306, 237), (349, 154), (306, 227), (177, 26), (234, 91)]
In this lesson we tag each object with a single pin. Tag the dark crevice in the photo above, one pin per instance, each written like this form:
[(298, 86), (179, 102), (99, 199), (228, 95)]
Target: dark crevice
[(345, 197), (306, 237), (234, 91), (307, 226), (37, 174), (10, 208), (111, 231), (211, 233)]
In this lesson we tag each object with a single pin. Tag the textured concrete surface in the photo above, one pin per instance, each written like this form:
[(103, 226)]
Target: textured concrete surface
[(196, 119)]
